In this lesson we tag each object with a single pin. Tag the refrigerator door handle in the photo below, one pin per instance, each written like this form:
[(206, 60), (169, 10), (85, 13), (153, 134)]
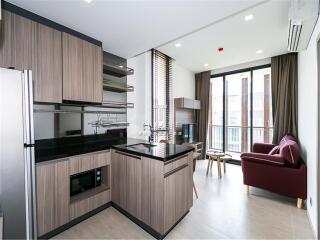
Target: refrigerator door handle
[(1, 226), (28, 107), (30, 186)]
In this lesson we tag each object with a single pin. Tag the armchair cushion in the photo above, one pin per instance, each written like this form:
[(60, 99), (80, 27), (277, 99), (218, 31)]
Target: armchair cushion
[(261, 158), (262, 147), (274, 150), (290, 151)]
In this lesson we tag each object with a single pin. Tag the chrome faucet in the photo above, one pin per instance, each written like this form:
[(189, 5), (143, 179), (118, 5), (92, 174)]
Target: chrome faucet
[(151, 131)]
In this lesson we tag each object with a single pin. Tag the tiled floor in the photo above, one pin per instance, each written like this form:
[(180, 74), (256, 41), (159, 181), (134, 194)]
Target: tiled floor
[(223, 210)]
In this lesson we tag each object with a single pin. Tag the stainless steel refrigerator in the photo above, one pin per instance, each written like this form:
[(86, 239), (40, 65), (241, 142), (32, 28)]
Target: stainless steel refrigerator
[(17, 165)]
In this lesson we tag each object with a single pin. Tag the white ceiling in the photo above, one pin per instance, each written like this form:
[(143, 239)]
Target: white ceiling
[(128, 28), (241, 39)]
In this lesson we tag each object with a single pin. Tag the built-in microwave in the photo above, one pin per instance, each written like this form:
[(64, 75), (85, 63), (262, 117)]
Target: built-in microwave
[(82, 182)]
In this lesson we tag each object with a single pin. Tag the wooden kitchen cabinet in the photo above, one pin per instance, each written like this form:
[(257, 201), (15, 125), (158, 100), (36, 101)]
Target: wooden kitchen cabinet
[(88, 204), (187, 103), (55, 207), (45, 198), (64, 67), (85, 202), (176, 188), (133, 185), (128, 180), (6, 41), (47, 64), (26, 44), (118, 182), (89, 161), (22, 40), (16, 41), (82, 70), (52, 181), (155, 192)]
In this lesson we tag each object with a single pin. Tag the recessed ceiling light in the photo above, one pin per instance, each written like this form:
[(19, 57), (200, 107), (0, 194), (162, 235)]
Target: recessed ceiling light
[(248, 17), (178, 45), (206, 64), (88, 1), (259, 51)]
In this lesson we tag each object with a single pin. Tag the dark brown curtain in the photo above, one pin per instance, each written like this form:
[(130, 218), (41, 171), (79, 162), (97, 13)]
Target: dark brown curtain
[(202, 115), (284, 85)]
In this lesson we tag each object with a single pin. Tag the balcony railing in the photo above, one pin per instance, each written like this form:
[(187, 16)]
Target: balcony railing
[(237, 138)]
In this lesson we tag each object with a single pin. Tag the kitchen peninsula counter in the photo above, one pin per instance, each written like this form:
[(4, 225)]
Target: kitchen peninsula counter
[(150, 184), (50, 149)]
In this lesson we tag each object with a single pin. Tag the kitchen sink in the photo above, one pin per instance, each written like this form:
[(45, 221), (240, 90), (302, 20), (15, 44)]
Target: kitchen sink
[(141, 146)]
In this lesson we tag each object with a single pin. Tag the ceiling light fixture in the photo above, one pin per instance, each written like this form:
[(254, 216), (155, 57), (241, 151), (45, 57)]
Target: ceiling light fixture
[(178, 45), (248, 17), (259, 51), (88, 1), (206, 64)]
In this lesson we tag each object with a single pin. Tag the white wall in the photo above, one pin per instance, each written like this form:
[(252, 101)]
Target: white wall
[(141, 96), (183, 82), (308, 117), (183, 85)]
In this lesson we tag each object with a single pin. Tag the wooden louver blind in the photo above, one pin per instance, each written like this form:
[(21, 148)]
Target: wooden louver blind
[(162, 104)]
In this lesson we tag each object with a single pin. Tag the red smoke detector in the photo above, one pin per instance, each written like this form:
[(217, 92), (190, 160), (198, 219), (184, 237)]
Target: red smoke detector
[(220, 49)]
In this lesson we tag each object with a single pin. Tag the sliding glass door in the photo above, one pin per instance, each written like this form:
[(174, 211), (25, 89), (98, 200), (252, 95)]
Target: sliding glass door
[(262, 108), (241, 110), (217, 118), (237, 125)]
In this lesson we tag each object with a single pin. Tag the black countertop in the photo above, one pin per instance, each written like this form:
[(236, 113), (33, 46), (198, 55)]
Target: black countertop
[(50, 149)]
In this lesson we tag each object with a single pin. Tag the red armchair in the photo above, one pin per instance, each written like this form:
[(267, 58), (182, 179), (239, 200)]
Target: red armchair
[(277, 168)]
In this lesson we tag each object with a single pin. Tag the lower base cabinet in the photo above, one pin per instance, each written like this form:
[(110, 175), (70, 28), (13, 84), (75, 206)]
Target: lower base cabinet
[(175, 196), (55, 207), (155, 192), (52, 195), (83, 206)]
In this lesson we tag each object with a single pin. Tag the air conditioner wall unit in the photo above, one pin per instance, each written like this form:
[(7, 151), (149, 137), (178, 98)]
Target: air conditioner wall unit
[(303, 15), (295, 27)]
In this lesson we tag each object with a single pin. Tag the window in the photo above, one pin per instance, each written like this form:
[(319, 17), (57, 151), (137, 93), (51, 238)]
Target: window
[(162, 104), (241, 110)]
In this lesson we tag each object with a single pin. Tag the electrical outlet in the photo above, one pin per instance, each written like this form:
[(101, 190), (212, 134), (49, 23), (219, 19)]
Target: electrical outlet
[(310, 200)]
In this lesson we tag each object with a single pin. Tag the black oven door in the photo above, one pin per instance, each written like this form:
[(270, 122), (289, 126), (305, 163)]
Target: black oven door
[(82, 182)]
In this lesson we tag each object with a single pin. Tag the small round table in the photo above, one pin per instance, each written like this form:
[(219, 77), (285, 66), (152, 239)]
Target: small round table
[(217, 156)]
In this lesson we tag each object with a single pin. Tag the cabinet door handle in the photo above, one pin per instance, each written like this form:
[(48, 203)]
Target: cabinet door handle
[(175, 170), (128, 155), (175, 159)]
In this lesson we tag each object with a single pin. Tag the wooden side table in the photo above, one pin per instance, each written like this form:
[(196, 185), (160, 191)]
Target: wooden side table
[(217, 156)]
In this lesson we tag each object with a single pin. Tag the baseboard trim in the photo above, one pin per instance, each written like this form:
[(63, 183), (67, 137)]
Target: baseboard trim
[(141, 224), (75, 221), (144, 226), (135, 220), (310, 222)]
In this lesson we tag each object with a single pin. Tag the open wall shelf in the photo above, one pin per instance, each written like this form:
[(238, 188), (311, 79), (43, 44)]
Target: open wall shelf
[(109, 85), (111, 104), (117, 70)]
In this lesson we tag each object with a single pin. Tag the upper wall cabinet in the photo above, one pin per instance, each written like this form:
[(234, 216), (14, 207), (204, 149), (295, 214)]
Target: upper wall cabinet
[(187, 103), (22, 40), (16, 42), (82, 70), (47, 64), (6, 59), (26, 44), (64, 67)]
